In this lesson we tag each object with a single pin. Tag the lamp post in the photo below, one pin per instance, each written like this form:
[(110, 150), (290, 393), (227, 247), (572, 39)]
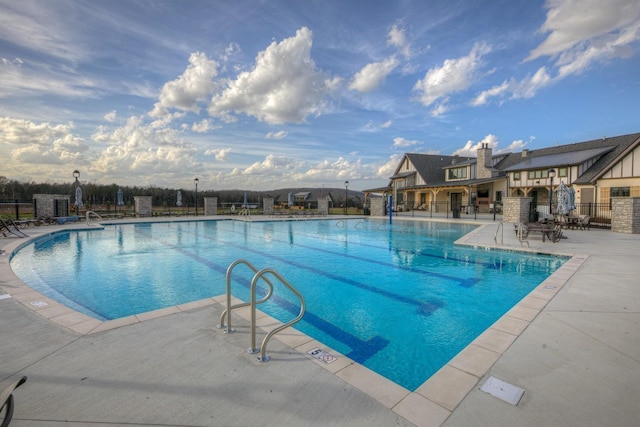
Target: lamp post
[(76, 175), (346, 187), (196, 181), (552, 174)]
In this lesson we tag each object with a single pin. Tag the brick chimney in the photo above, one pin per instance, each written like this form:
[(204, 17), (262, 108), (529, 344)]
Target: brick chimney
[(484, 167)]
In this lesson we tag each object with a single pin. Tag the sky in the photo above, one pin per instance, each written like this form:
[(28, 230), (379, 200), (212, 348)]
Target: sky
[(262, 95)]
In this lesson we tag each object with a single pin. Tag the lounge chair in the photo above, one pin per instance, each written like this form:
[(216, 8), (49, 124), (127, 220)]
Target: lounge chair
[(555, 234), (584, 222), (6, 401), (9, 227)]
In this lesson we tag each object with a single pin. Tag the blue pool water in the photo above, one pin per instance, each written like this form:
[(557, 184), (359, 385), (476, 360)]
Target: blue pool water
[(401, 299)]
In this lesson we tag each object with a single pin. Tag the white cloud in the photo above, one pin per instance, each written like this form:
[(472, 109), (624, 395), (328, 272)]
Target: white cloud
[(387, 124), (514, 89), (270, 164), (276, 135), (219, 154), (137, 150), (470, 149), (398, 39), (110, 116), (372, 75), (389, 167), (486, 95), (284, 85), (402, 143), (453, 76), (203, 126), (194, 85), (441, 108), (39, 145), (581, 23), (515, 146)]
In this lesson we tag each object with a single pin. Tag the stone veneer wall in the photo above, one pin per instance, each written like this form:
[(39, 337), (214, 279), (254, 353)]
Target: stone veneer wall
[(377, 206), (625, 214), (323, 206), (45, 205), (516, 209), (267, 206), (210, 206), (143, 206)]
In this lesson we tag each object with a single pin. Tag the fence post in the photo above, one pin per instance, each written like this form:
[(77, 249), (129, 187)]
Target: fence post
[(17, 210)]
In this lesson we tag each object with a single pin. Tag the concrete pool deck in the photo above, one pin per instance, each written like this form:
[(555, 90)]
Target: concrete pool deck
[(573, 345)]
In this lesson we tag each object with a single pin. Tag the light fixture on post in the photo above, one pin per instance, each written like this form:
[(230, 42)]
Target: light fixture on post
[(346, 187), (552, 174), (196, 181)]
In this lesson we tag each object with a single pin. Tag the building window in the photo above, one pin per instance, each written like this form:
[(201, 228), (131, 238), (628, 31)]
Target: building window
[(619, 192), (562, 172), (498, 196), (516, 176), (539, 174), (458, 173)]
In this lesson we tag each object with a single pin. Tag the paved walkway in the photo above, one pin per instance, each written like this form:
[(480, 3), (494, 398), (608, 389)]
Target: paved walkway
[(577, 360)]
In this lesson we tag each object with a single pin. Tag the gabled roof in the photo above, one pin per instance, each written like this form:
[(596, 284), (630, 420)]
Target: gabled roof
[(604, 149), (429, 166), (554, 160)]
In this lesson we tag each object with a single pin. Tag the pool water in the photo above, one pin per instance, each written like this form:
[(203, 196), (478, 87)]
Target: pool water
[(399, 298)]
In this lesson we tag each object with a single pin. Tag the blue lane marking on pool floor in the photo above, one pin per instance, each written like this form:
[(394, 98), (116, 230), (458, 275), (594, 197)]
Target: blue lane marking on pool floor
[(361, 350), (463, 282)]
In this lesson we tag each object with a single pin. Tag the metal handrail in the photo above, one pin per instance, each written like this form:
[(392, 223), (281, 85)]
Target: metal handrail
[(263, 347), (88, 216), (521, 235), (227, 311), (495, 236)]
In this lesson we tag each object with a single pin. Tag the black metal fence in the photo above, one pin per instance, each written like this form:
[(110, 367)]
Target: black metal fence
[(16, 209), (599, 213)]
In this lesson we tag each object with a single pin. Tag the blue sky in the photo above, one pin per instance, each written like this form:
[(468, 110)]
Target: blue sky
[(272, 94)]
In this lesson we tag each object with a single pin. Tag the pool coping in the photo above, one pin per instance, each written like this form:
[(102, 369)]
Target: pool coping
[(434, 400)]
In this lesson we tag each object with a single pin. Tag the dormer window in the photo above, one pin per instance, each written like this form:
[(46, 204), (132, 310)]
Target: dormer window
[(457, 173)]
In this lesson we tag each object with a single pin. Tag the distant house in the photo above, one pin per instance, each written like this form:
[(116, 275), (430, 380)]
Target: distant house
[(597, 170)]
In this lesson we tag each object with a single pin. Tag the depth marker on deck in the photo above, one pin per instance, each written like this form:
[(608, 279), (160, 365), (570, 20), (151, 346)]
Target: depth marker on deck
[(322, 355)]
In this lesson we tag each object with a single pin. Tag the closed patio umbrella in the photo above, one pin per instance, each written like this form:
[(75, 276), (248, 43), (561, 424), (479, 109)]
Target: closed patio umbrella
[(120, 197), (78, 203), (563, 198), (572, 198), (179, 199)]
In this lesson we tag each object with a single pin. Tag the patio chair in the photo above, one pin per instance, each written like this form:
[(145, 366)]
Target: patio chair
[(6, 401), (9, 227), (584, 222)]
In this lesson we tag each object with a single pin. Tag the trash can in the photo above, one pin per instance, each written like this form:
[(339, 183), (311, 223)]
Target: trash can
[(456, 213)]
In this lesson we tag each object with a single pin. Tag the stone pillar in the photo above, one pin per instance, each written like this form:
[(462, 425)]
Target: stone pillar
[(210, 206), (143, 205), (377, 206), (516, 209), (323, 206), (267, 206), (625, 215)]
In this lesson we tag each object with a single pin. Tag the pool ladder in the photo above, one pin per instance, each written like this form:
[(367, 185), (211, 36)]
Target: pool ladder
[(88, 216), (259, 274)]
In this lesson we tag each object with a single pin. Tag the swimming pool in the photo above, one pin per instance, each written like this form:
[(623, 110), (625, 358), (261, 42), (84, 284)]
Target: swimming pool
[(401, 299)]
